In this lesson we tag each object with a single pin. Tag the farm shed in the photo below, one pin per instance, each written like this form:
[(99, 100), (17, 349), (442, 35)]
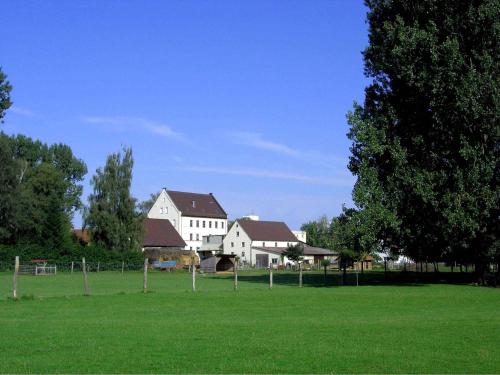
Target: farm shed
[(218, 263)]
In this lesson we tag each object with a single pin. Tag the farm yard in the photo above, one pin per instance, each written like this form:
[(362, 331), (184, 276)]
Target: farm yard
[(376, 328)]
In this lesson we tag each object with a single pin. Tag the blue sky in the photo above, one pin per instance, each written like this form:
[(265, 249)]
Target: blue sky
[(245, 99)]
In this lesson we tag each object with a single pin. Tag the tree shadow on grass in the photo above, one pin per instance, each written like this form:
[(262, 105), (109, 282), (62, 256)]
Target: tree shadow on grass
[(371, 278)]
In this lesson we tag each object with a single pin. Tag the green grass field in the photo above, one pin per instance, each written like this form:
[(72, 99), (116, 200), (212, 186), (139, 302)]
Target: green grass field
[(411, 328)]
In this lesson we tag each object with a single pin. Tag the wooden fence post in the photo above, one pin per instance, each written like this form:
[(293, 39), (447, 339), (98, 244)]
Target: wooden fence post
[(270, 276), (193, 274), (300, 274), (235, 274), (16, 271), (72, 265), (85, 280), (145, 286)]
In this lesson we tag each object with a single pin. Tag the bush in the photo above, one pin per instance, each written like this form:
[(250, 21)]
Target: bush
[(74, 252)]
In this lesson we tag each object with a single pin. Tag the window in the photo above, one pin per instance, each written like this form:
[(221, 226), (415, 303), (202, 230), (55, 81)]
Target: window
[(190, 236), (193, 203), (242, 244), (190, 247), (216, 224), (209, 224), (275, 260), (197, 237), (275, 244), (197, 223), (166, 210), (191, 223), (164, 199), (222, 225), (263, 244), (208, 239), (237, 234), (232, 244), (161, 210), (203, 223), (242, 253)]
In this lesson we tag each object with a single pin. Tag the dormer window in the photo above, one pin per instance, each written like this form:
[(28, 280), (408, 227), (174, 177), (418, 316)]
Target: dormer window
[(193, 203)]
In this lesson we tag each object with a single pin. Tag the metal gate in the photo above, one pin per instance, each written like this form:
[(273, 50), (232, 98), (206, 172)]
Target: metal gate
[(261, 260)]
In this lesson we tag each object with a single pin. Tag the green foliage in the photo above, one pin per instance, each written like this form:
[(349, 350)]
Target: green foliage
[(5, 89), (146, 205), (425, 142), (295, 252), (319, 232), (73, 251), (111, 216), (40, 188)]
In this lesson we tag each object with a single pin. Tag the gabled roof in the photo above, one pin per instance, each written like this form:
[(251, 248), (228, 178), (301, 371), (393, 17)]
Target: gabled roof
[(308, 250), (267, 230), (161, 233), (205, 205)]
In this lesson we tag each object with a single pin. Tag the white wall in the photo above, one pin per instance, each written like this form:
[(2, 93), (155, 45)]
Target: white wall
[(209, 229), (301, 235), (164, 208), (233, 244)]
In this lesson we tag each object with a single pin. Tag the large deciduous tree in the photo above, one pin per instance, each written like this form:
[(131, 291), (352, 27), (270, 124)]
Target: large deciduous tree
[(426, 140), (37, 180), (111, 216)]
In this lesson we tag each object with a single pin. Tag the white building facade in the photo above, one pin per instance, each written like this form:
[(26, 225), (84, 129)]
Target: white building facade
[(259, 243), (193, 215)]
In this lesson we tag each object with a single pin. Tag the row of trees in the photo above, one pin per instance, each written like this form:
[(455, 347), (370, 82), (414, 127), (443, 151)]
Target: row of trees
[(40, 191)]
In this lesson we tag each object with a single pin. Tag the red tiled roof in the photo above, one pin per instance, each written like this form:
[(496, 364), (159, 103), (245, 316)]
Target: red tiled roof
[(205, 205), (267, 230), (161, 233), (82, 235)]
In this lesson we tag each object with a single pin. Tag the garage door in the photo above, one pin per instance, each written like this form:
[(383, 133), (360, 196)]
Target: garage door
[(261, 260)]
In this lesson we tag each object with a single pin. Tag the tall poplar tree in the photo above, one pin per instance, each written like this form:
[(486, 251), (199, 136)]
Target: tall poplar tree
[(111, 216), (426, 140)]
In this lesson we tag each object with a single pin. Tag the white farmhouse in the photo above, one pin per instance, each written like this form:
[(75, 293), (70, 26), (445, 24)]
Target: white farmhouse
[(258, 243), (193, 215)]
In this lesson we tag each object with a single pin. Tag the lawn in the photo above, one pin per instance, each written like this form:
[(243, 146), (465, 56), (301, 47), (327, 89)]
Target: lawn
[(412, 328)]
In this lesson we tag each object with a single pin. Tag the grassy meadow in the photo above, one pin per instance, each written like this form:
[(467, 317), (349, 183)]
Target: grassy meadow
[(377, 328)]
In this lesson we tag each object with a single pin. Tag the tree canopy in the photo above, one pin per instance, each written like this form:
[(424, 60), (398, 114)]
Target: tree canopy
[(5, 89), (425, 142), (111, 217)]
